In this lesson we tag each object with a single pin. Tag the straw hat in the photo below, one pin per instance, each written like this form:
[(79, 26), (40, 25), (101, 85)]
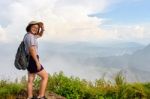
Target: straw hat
[(34, 22)]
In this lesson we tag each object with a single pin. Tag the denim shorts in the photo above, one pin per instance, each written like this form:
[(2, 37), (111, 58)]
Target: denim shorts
[(32, 68)]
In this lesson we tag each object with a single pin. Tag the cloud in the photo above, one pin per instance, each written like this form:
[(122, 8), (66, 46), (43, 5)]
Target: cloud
[(65, 20), (2, 35), (138, 33), (90, 6)]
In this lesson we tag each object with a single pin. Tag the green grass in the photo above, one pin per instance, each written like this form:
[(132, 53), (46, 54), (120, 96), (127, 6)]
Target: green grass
[(76, 88), (8, 89)]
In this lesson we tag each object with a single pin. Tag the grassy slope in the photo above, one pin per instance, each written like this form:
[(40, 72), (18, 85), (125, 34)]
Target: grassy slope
[(75, 88)]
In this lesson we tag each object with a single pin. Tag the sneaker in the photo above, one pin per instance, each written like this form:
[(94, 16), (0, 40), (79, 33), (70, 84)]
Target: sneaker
[(34, 98), (31, 98), (42, 97)]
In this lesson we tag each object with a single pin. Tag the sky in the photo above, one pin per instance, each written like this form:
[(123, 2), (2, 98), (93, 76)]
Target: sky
[(71, 21), (77, 20)]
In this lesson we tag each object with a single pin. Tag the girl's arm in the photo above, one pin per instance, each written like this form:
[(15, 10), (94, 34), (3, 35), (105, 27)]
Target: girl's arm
[(33, 53), (41, 29)]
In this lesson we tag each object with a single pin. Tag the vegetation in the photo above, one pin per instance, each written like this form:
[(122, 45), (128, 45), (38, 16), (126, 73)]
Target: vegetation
[(75, 88)]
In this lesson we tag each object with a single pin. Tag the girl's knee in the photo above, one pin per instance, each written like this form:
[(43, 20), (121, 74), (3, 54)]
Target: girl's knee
[(30, 81), (45, 76)]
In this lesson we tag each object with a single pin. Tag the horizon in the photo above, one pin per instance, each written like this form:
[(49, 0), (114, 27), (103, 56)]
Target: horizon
[(67, 58)]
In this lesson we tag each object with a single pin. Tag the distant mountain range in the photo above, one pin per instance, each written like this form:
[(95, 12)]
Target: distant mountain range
[(139, 59), (88, 49), (133, 59), (136, 64), (130, 57)]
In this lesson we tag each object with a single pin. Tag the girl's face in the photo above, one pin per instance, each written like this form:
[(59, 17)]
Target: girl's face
[(34, 29)]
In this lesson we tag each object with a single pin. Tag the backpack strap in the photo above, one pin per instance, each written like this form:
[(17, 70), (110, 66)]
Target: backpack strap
[(24, 37), (24, 44)]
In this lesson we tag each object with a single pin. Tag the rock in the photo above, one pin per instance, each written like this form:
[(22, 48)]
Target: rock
[(49, 95), (54, 96)]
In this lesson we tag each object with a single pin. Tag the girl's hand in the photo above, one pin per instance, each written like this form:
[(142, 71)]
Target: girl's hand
[(38, 66), (41, 29), (41, 26)]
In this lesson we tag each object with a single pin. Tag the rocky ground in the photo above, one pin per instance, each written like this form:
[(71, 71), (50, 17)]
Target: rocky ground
[(49, 95)]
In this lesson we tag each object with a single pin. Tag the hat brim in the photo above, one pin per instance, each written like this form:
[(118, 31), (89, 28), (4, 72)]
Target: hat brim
[(34, 22)]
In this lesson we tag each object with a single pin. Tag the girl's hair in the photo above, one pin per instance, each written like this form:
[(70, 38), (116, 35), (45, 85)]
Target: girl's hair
[(28, 28)]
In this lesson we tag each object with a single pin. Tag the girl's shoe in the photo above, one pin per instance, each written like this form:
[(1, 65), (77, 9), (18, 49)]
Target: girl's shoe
[(42, 97), (31, 98)]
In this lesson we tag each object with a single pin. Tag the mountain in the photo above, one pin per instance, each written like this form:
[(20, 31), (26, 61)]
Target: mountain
[(137, 63), (101, 57), (78, 58), (141, 59), (90, 49)]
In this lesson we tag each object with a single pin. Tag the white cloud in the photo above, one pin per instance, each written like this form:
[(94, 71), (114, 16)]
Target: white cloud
[(89, 6), (65, 20), (2, 35), (138, 33)]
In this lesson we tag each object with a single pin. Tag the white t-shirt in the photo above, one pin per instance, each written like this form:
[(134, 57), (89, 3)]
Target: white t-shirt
[(30, 40)]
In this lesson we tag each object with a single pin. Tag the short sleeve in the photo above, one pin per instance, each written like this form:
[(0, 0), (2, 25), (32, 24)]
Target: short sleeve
[(37, 36), (31, 41)]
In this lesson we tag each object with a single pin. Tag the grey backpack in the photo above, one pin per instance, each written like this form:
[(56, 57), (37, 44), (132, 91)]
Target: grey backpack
[(21, 58)]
